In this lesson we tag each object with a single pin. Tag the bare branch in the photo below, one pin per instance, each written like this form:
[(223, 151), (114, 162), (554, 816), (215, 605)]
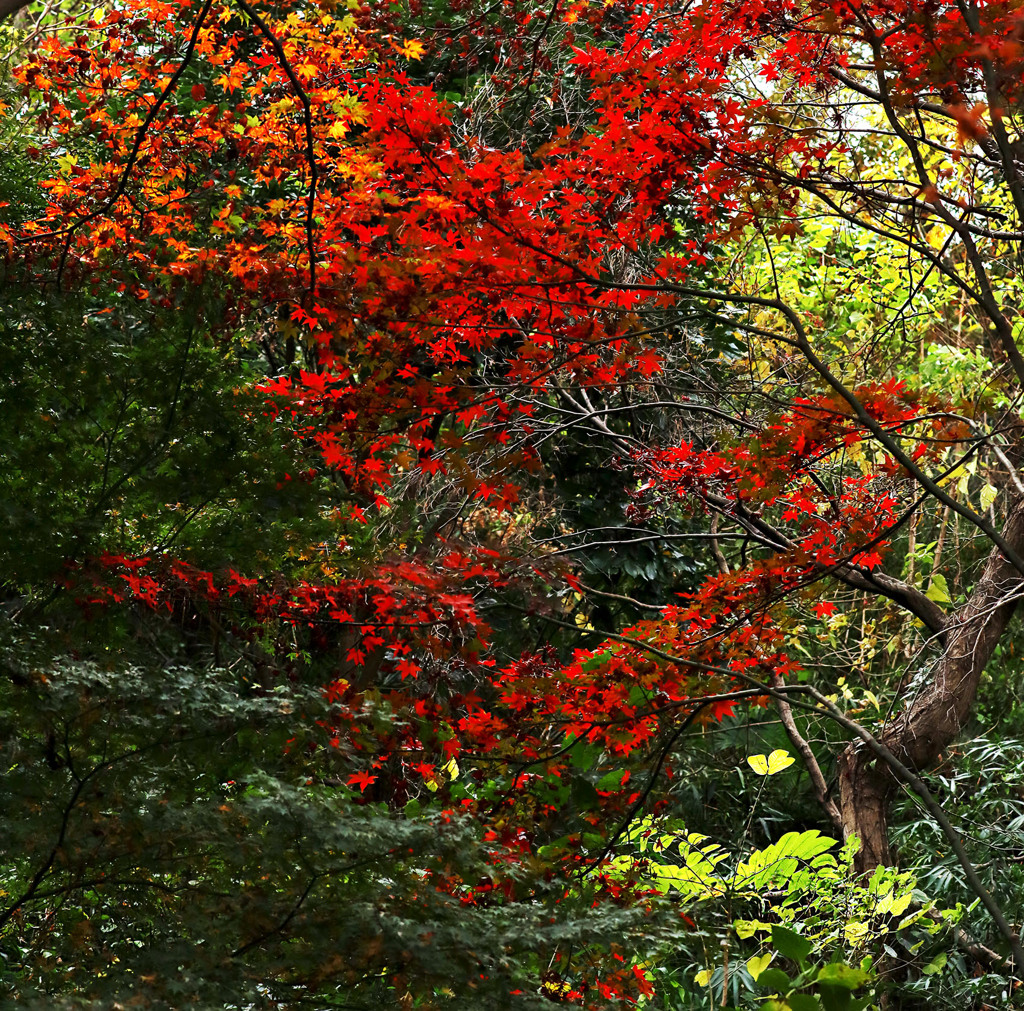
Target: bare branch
[(307, 122), (799, 742)]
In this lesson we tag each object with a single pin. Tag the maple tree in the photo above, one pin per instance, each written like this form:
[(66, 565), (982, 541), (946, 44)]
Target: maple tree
[(420, 272)]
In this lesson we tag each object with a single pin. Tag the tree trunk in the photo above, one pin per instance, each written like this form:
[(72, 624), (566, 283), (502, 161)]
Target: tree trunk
[(8, 7), (933, 719)]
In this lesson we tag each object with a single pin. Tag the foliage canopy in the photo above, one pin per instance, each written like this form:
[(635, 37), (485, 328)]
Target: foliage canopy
[(511, 506)]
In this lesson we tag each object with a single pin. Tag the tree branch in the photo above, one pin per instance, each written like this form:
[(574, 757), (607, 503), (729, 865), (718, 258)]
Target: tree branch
[(799, 742), (307, 122)]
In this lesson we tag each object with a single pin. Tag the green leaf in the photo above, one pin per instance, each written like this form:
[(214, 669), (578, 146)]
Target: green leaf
[(584, 795), (553, 848), (776, 864), (747, 928), (583, 756), (803, 1002), (611, 780), (936, 965), (894, 905), (790, 943), (774, 979), (835, 998), (843, 975), (938, 589), (597, 661)]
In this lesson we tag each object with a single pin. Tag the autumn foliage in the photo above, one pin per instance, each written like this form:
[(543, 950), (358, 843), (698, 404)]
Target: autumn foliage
[(421, 279)]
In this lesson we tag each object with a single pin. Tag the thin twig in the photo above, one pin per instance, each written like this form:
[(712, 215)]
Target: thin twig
[(307, 118)]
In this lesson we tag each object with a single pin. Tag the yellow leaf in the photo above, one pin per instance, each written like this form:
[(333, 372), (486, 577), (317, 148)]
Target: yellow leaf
[(412, 50), (855, 932), (758, 964), (556, 988), (703, 978), (770, 764), (954, 475), (748, 928)]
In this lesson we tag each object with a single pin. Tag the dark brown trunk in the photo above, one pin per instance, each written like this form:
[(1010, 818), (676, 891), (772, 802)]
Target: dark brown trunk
[(933, 718), (8, 7)]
